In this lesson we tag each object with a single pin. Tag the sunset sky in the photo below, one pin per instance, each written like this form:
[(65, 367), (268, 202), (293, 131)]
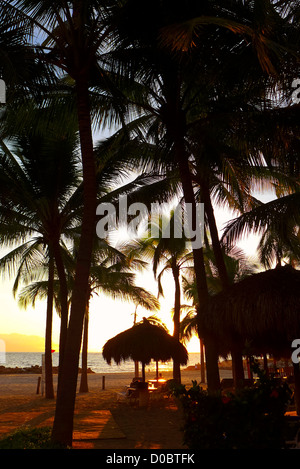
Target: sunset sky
[(107, 317)]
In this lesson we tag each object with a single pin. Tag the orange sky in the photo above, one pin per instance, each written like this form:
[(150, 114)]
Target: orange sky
[(23, 343), (107, 317)]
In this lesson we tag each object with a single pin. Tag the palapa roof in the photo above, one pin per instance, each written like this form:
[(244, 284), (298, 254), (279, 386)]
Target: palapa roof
[(263, 309), (144, 342)]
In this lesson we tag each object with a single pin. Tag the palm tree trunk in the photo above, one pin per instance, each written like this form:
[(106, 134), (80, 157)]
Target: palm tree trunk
[(49, 389), (66, 394), (84, 355), (237, 357), (63, 296), (212, 369), (213, 229), (136, 369), (176, 321), (202, 362)]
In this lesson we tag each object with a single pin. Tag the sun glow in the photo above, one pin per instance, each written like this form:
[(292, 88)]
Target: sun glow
[(108, 317)]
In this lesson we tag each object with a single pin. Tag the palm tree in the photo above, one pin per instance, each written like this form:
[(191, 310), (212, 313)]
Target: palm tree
[(23, 73), (174, 118), (111, 274), (43, 289), (226, 168), (39, 179), (277, 222), (71, 38), (182, 36), (173, 255), (30, 258), (45, 212), (238, 267), (174, 94), (220, 171)]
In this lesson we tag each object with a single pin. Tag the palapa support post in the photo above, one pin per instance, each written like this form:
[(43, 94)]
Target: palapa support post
[(136, 369), (38, 385), (143, 372)]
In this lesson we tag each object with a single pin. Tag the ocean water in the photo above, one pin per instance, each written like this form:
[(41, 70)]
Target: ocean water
[(95, 362)]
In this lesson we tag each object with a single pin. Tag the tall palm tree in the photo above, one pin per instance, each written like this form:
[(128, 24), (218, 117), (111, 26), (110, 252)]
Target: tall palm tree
[(238, 266), (167, 253), (170, 75), (23, 73), (223, 170), (33, 287), (71, 36), (172, 78), (39, 179), (112, 275), (31, 257), (41, 205)]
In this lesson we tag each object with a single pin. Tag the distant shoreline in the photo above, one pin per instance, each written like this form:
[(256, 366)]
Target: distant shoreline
[(225, 365), (33, 370), (37, 369)]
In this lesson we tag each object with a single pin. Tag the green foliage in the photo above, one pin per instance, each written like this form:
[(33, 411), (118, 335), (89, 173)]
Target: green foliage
[(251, 418), (29, 438)]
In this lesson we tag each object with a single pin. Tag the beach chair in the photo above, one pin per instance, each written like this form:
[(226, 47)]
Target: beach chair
[(133, 397), (132, 392)]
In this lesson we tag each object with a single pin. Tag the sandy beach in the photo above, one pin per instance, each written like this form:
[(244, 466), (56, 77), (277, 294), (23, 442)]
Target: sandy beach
[(157, 426)]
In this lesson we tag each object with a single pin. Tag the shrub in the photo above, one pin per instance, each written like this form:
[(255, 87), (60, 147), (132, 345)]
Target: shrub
[(29, 438), (254, 417)]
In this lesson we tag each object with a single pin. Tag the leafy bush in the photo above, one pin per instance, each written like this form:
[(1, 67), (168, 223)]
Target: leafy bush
[(251, 418), (28, 438)]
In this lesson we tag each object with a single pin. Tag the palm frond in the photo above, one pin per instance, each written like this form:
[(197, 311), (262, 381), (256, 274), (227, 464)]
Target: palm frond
[(33, 292), (276, 213)]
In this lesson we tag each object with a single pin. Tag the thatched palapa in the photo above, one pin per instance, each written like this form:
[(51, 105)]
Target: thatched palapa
[(263, 310), (144, 342)]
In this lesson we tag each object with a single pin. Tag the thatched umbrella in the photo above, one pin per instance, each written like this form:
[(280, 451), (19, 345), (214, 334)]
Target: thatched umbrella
[(263, 309), (144, 342)]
